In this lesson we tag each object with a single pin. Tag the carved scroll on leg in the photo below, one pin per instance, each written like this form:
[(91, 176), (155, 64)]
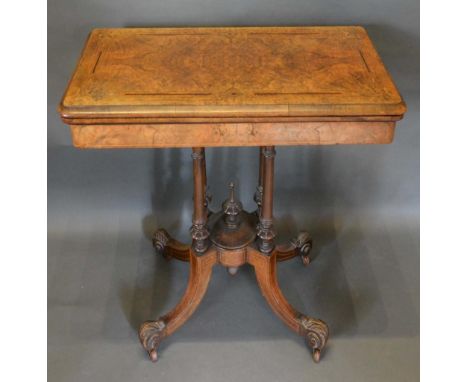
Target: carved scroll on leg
[(153, 332), (298, 246), (170, 247), (314, 330)]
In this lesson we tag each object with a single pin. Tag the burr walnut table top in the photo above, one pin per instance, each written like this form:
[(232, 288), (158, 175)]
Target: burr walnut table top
[(181, 87)]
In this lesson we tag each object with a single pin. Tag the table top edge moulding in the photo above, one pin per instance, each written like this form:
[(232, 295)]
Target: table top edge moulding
[(212, 77)]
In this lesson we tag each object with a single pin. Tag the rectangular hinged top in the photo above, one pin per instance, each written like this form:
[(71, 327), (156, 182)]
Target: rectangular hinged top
[(252, 72)]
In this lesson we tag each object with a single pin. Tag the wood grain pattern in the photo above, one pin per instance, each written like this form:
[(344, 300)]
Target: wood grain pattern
[(200, 273), (314, 330), (230, 72), (151, 333), (206, 120), (240, 134), (202, 87), (234, 250), (232, 257)]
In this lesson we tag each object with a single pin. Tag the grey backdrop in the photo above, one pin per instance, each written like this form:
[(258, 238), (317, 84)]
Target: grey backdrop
[(361, 204)]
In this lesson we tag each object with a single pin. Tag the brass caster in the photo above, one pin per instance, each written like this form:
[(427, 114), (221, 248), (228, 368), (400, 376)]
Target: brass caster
[(153, 354), (305, 260), (316, 355), (232, 270)]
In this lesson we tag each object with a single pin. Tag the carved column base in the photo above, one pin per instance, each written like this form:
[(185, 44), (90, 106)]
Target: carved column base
[(266, 234), (200, 235)]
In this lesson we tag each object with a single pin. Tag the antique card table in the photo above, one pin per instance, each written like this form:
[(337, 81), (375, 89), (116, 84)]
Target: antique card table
[(219, 87)]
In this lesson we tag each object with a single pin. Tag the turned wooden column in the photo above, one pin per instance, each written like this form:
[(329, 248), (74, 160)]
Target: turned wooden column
[(259, 192), (265, 231), (205, 187), (199, 230)]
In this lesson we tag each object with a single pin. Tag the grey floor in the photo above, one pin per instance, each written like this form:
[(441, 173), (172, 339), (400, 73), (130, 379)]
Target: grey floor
[(104, 278)]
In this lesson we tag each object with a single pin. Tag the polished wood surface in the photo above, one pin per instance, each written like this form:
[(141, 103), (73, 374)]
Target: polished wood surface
[(151, 333), (252, 71), (314, 330), (202, 87), (200, 213), (231, 134), (231, 238), (218, 87)]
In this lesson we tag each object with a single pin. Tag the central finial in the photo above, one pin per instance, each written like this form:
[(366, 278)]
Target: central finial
[(231, 192), (231, 208)]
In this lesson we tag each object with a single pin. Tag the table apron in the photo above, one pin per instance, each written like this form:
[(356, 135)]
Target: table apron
[(231, 134)]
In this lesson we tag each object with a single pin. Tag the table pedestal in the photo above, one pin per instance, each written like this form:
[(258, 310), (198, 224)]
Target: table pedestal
[(231, 238)]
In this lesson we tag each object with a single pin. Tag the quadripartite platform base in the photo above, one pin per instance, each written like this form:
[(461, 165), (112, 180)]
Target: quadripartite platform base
[(232, 238)]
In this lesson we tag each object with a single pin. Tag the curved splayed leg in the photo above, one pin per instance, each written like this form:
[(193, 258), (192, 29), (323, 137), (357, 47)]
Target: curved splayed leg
[(151, 333), (314, 330)]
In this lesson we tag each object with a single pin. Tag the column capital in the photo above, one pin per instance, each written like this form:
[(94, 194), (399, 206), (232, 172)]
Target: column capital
[(269, 151)]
